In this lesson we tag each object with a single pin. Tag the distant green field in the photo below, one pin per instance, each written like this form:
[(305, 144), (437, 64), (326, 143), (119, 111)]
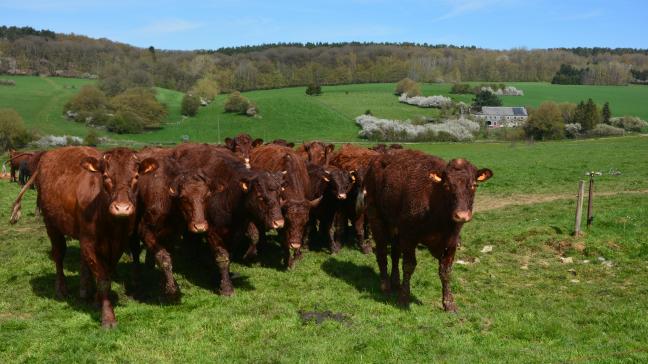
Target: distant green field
[(288, 113)]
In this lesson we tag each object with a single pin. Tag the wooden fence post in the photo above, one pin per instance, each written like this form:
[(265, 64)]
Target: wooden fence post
[(590, 210), (579, 207)]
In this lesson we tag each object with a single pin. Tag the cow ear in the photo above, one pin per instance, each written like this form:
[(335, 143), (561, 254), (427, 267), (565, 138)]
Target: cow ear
[(245, 186), (484, 174), (315, 202), (290, 145), (172, 191), (257, 142), (435, 177), (91, 164), (148, 165), (330, 148), (229, 143), (325, 178)]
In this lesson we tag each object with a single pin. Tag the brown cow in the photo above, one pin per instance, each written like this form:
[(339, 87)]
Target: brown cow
[(414, 198), (171, 201), (275, 158), (283, 142), (383, 148), (90, 196), (28, 167), (333, 185), (15, 160), (316, 152), (239, 197), (355, 160), (242, 145)]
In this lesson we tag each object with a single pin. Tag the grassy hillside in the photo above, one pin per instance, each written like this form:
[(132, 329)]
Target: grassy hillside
[(288, 113), (518, 303)]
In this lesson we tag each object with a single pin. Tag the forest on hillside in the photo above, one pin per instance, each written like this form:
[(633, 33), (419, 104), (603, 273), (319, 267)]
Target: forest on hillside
[(43, 52)]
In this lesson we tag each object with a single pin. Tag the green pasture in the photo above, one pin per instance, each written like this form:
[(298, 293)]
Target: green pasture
[(288, 113), (518, 303)]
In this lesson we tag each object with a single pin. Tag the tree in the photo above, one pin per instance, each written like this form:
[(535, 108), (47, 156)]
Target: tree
[(90, 101), (313, 90), (545, 122), (139, 105), (13, 133), (190, 105), (237, 103), (407, 86), (606, 114), (205, 88), (486, 98), (587, 115)]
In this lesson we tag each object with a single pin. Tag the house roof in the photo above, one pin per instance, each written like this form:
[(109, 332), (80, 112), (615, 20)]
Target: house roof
[(504, 111)]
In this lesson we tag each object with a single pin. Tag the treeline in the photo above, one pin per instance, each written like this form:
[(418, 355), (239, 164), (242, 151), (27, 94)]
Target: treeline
[(296, 64), (611, 73)]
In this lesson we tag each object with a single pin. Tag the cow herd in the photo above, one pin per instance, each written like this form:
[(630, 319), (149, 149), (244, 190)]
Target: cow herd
[(115, 201)]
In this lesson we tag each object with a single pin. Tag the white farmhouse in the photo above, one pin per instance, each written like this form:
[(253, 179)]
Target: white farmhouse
[(500, 116)]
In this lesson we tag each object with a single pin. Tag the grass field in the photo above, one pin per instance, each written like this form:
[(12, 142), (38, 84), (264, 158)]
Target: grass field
[(288, 113), (518, 303)]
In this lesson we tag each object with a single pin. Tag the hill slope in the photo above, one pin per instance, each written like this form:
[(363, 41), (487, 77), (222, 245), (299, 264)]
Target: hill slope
[(288, 113)]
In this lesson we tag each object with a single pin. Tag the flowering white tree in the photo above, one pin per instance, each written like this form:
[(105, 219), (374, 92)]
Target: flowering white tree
[(395, 130), (426, 101)]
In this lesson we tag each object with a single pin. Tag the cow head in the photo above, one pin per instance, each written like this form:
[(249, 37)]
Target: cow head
[(339, 181), (192, 192), (119, 169), (318, 152), (242, 145), (460, 179), (297, 214), (283, 143), (262, 198)]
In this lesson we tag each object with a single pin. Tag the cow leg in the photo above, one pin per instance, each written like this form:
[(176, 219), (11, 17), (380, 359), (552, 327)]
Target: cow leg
[(221, 255), (381, 238), (326, 226), (102, 275), (339, 221), (395, 271), (86, 283), (12, 173), (59, 248), (409, 264), (445, 268), (361, 231), (252, 234), (163, 260)]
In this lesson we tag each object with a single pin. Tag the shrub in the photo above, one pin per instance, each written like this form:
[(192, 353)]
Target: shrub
[(92, 139), (313, 90), (573, 130), (407, 86), (138, 105), (206, 89), (629, 123), (461, 88), (190, 105), (50, 141), (602, 130), (426, 101), (486, 98), (13, 133), (396, 130), (125, 122), (545, 122), (88, 102), (237, 103)]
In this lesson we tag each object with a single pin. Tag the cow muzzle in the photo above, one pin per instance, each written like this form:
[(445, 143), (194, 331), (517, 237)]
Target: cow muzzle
[(278, 224), (462, 216), (341, 196), (199, 227), (122, 209)]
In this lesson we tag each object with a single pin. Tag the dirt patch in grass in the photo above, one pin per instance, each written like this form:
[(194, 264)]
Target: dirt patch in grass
[(487, 203)]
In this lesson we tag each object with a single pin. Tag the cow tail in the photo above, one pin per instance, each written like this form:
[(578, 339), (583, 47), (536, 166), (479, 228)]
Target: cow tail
[(360, 201), (15, 210)]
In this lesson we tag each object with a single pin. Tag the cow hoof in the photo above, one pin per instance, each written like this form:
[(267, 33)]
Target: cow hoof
[(61, 291), (385, 287), (108, 324), (226, 291), (335, 248), (403, 300), (366, 249), (450, 307)]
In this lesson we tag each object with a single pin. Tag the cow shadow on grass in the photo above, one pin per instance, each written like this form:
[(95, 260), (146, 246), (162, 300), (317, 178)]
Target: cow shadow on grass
[(364, 279)]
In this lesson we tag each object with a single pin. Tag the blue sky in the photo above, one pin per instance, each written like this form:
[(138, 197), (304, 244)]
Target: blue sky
[(210, 24)]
